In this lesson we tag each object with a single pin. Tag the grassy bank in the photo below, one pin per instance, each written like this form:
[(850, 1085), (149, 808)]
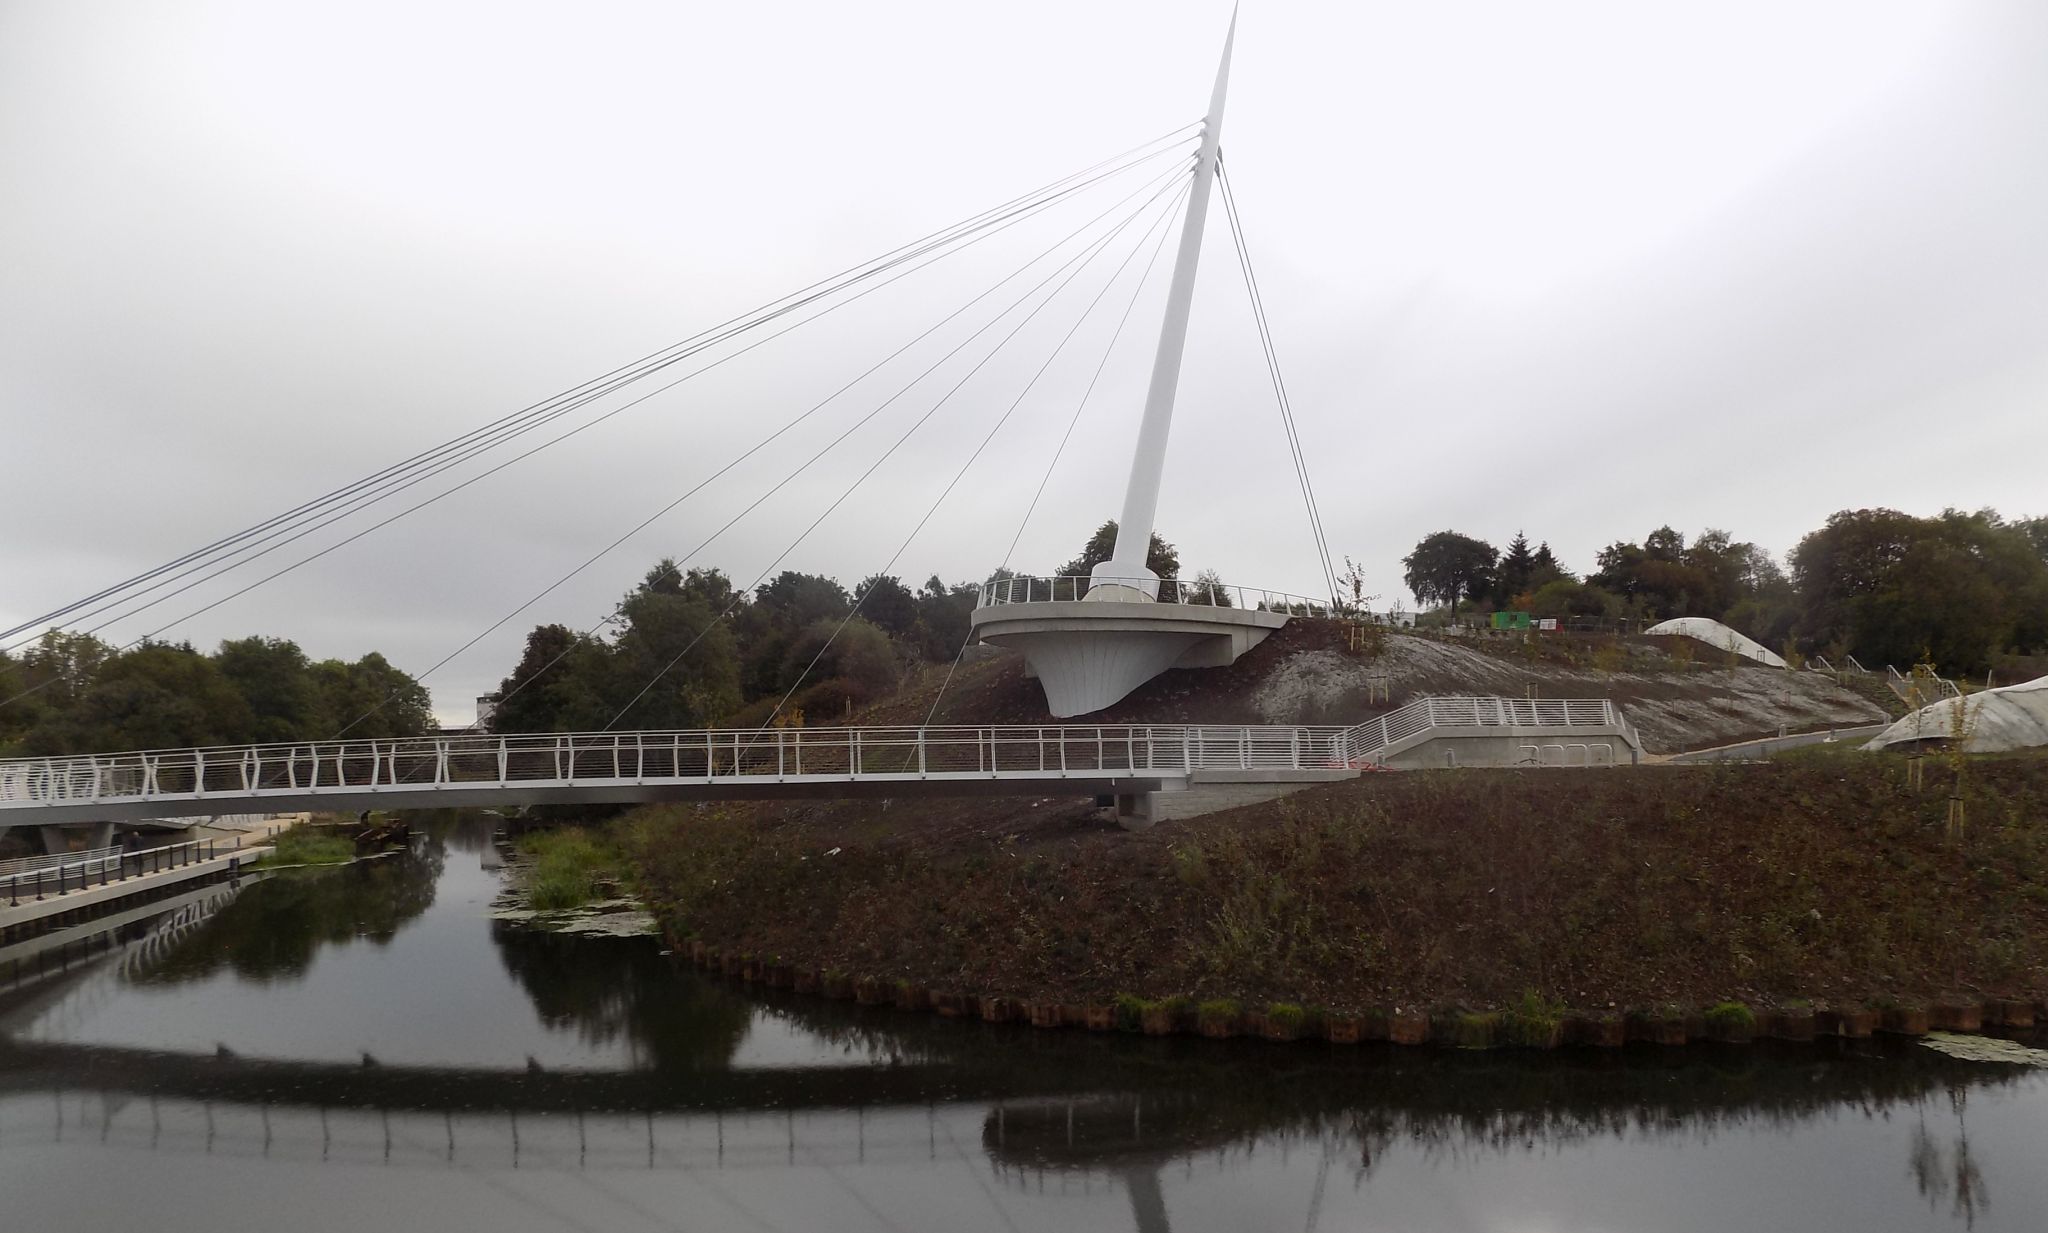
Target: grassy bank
[(312, 845), (570, 867), (1823, 879)]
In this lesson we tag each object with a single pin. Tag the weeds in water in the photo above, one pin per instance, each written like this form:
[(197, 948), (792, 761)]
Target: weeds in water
[(569, 867)]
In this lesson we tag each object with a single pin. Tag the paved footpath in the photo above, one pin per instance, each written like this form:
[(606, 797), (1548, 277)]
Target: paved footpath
[(1772, 744)]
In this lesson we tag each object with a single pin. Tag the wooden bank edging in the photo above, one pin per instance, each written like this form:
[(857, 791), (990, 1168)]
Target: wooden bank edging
[(1729, 1023)]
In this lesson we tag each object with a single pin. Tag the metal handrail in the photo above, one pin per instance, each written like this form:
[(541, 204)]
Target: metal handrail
[(1362, 743), (1024, 589), (106, 865), (251, 772), (29, 864)]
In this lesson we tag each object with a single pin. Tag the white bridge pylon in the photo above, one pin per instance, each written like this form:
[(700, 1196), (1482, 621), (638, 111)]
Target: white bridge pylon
[(630, 767), (1092, 650)]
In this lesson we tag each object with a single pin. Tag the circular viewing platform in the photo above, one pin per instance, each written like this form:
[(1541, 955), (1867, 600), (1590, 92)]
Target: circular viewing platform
[(1091, 641)]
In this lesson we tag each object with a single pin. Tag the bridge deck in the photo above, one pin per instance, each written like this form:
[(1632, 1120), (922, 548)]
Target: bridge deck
[(446, 771)]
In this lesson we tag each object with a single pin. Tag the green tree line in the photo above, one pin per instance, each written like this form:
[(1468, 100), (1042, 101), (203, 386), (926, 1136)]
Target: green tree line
[(686, 649), (72, 693), (1889, 588)]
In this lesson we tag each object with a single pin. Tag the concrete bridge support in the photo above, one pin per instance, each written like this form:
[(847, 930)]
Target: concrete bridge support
[(1210, 791), (57, 839)]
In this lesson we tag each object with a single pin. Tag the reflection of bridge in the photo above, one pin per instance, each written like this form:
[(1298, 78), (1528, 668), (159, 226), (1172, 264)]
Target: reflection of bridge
[(336, 1085)]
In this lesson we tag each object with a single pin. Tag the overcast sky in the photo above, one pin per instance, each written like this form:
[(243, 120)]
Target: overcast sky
[(1578, 269)]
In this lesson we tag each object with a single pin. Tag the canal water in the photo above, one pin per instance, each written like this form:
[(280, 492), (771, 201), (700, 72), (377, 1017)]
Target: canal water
[(364, 1048)]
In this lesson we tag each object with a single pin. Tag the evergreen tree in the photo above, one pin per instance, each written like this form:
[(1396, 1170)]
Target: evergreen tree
[(1517, 567)]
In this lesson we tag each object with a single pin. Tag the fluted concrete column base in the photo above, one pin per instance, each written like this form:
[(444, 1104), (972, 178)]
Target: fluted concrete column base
[(1088, 654)]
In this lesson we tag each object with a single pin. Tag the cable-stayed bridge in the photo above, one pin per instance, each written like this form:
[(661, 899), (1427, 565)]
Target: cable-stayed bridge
[(1213, 765), (1090, 640)]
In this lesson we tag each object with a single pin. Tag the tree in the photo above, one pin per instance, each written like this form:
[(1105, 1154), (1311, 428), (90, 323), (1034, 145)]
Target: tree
[(1892, 588), (675, 664), (1446, 567), (1160, 557), (943, 617), (153, 697), (1664, 544), (17, 712), (1563, 597), (2036, 532), (61, 666), (559, 685), (794, 600), (1517, 567), (1617, 568), (371, 698), (276, 681), (886, 602), (860, 657)]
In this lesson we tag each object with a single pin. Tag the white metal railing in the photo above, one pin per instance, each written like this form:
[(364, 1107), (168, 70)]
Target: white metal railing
[(1362, 743), (705, 756), (1023, 589), (29, 864), (1918, 688)]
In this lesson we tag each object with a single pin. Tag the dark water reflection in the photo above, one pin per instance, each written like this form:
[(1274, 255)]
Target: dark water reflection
[(365, 1048)]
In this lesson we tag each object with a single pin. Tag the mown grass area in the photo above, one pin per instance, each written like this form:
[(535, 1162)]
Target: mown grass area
[(571, 866), (311, 845), (1824, 878)]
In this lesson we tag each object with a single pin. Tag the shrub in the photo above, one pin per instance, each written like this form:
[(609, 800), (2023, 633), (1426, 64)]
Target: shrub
[(1288, 1015), (1130, 1012), (1532, 1021), (1730, 1021)]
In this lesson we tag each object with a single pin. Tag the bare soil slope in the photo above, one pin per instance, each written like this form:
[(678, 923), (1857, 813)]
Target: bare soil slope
[(1313, 672), (1826, 878)]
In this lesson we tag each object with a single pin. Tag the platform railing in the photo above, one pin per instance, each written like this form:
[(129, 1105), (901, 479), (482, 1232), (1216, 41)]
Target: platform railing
[(1363, 743), (1026, 589), (700, 756)]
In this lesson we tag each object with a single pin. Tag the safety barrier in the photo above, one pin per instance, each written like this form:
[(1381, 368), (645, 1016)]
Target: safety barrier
[(1024, 589), (1362, 744), (249, 773), (106, 866)]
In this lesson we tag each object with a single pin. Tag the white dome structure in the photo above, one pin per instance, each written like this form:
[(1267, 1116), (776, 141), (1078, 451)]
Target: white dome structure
[(2014, 717), (1720, 637)]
